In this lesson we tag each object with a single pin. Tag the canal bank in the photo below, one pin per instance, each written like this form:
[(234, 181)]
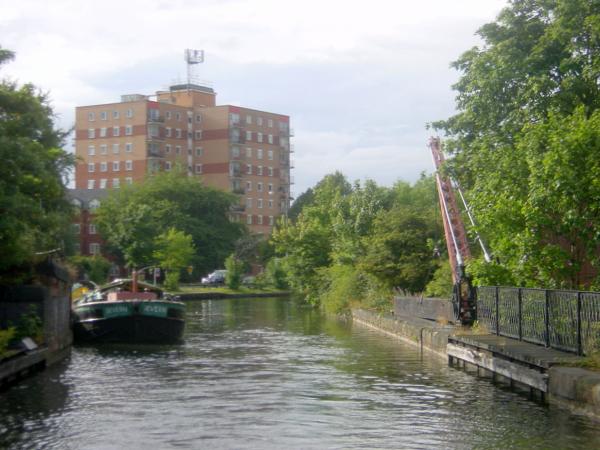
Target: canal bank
[(574, 388), (225, 295)]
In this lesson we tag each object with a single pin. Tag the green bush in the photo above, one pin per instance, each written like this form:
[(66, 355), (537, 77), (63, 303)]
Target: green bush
[(275, 274), (235, 271), (342, 287), (172, 280), (441, 284), (6, 336), (95, 267), (30, 325)]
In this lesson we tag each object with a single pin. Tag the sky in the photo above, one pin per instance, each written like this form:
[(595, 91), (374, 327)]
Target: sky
[(360, 80)]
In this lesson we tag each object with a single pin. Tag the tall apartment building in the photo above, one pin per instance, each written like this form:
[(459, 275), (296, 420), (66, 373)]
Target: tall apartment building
[(236, 149)]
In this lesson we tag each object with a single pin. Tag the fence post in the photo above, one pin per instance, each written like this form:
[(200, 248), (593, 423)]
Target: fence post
[(547, 318), (579, 343), (520, 314), (497, 298)]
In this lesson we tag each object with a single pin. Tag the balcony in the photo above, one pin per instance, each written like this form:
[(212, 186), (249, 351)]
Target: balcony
[(155, 119), (238, 208), (236, 124), (153, 150)]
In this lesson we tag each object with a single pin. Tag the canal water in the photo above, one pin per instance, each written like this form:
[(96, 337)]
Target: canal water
[(268, 374)]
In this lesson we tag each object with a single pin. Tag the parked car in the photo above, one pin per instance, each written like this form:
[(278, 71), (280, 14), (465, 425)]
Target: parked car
[(215, 278)]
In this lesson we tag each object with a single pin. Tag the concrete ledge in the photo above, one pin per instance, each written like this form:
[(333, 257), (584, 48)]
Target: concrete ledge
[(575, 388), (426, 334), (14, 368)]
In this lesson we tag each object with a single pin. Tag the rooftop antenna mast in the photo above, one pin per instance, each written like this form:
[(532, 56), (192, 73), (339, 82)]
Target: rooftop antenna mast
[(192, 57)]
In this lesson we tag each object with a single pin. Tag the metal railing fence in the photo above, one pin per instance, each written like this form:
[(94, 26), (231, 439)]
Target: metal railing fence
[(565, 320)]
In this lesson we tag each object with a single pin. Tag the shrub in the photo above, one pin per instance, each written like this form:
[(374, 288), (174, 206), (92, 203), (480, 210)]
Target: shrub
[(276, 275), (30, 325), (235, 271), (172, 280), (6, 336)]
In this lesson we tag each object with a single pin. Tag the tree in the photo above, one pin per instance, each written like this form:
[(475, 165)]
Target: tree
[(95, 267), (235, 271), (34, 212), (536, 73), (174, 251), (132, 217)]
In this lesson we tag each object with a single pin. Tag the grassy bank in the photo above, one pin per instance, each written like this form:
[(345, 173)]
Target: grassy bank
[(196, 289)]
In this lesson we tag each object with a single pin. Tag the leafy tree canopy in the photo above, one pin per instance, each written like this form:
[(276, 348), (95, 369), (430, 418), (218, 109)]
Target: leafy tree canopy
[(132, 217), (34, 212), (525, 139)]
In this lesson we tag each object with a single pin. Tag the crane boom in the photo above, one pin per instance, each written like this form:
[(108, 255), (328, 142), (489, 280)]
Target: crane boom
[(456, 239)]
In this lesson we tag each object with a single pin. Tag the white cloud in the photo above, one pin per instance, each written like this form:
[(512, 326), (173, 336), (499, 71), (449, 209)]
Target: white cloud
[(360, 80)]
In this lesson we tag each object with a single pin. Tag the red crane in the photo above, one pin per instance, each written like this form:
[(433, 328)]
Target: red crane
[(465, 306)]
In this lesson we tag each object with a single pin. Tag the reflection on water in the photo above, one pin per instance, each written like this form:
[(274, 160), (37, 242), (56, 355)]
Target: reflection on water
[(266, 373)]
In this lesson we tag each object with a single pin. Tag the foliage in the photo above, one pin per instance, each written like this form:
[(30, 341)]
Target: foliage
[(30, 325), (441, 284), (341, 287), (6, 336), (304, 199), (172, 280), (489, 274), (132, 217), (235, 271), (96, 267), (34, 212), (275, 274), (525, 139), (358, 242), (398, 252)]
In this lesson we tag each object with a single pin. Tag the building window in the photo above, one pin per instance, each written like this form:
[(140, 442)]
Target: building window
[(259, 187), (248, 186), (168, 131), (259, 203), (259, 153), (128, 130), (271, 220), (270, 123), (92, 228), (103, 183), (270, 138), (76, 228), (103, 132), (270, 203), (178, 133), (94, 248), (249, 119), (270, 188), (115, 131), (129, 180), (115, 114), (270, 155), (115, 149), (259, 170), (249, 169), (259, 219), (91, 150), (91, 167), (130, 113), (248, 135), (115, 183), (103, 166), (259, 137), (94, 204), (167, 148), (198, 118), (178, 149), (168, 114), (198, 168), (259, 121), (116, 166), (199, 151), (178, 116), (91, 116), (167, 165), (91, 133), (249, 219), (128, 165), (103, 115), (103, 149), (129, 147), (270, 171), (91, 184), (198, 134)]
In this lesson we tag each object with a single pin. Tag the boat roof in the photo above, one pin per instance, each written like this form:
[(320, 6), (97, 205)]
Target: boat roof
[(125, 284)]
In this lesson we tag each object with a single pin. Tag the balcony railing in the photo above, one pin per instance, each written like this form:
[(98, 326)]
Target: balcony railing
[(155, 119)]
